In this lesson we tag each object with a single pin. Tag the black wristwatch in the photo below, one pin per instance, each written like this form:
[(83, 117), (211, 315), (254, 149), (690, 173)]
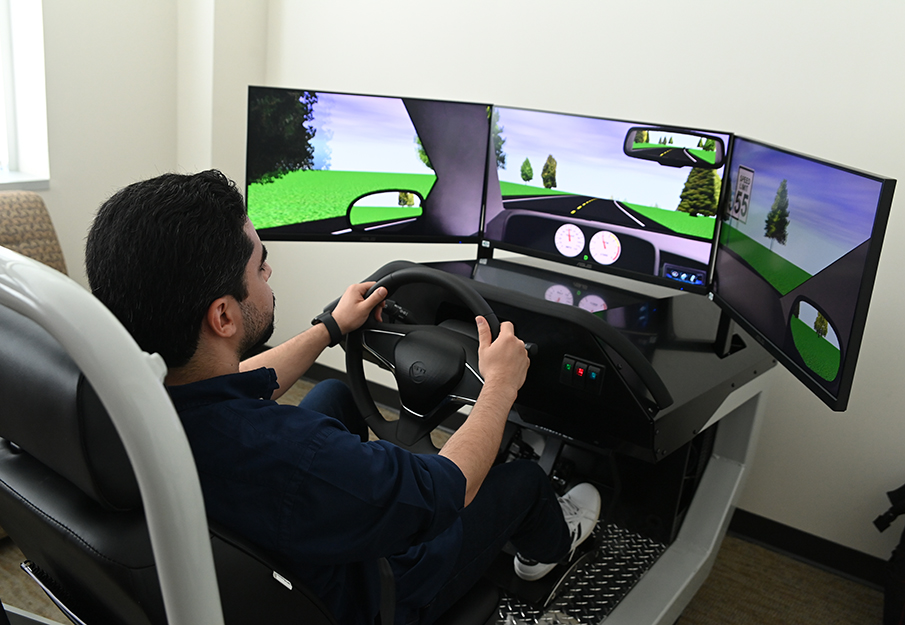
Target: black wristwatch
[(329, 322)]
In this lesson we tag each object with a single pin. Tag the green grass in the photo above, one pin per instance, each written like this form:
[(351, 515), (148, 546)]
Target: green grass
[(821, 356), (310, 195), (783, 275), (704, 155), (509, 189), (678, 221)]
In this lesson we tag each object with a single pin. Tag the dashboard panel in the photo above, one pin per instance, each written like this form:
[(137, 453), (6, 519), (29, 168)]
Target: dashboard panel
[(639, 375)]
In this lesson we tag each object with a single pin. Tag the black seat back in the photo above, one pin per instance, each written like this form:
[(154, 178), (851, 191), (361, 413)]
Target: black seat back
[(70, 500)]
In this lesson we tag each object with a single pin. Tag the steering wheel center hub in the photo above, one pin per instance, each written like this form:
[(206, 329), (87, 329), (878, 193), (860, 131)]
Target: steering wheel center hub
[(429, 365), (418, 372)]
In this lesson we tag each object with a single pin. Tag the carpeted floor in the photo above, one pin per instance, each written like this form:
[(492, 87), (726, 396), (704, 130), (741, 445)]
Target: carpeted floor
[(752, 585)]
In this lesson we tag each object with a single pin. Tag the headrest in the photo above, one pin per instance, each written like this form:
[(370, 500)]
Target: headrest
[(49, 410)]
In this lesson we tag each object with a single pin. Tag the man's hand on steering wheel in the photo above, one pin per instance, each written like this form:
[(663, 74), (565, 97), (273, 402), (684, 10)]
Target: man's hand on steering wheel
[(354, 308), (503, 362)]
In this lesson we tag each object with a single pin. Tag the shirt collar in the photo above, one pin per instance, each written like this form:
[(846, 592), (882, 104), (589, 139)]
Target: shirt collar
[(256, 384)]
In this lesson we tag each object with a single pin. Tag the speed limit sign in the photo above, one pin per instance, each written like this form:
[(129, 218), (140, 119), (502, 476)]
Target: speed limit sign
[(742, 199)]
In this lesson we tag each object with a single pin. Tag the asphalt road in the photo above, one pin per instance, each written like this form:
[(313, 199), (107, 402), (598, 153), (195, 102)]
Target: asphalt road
[(585, 207)]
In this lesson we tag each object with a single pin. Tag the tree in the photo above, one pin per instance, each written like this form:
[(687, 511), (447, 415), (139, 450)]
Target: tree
[(422, 153), (496, 132), (777, 223), (278, 140), (821, 325), (406, 198), (641, 136), (699, 196), (548, 173), (527, 172)]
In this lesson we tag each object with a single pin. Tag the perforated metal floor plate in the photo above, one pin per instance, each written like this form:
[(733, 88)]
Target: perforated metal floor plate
[(596, 587)]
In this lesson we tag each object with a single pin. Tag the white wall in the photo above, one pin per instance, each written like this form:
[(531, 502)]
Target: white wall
[(822, 77), (111, 106)]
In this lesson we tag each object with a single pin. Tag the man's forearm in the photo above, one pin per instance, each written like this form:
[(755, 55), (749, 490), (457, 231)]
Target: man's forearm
[(475, 445)]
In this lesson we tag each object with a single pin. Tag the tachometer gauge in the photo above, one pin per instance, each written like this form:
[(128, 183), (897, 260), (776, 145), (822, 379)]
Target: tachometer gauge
[(605, 247), (559, 293), (592, 303), (569, 240)]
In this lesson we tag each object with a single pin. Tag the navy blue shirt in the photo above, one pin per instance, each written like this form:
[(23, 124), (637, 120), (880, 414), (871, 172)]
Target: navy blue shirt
[(299, 485)]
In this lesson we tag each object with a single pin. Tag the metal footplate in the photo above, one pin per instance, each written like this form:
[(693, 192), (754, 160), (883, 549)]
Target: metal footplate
[(593, 585)]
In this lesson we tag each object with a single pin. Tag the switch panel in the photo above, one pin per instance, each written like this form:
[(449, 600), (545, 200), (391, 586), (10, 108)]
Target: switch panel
[(581, 374)]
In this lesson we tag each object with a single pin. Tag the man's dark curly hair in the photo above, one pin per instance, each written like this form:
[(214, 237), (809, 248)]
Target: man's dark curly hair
[(162, 250)]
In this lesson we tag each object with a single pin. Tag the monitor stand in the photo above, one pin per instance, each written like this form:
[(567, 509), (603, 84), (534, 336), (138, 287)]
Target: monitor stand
[(727, 340)]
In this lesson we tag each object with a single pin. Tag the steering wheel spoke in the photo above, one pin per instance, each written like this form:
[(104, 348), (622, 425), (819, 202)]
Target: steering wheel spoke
[(469, 387), (380, 340)]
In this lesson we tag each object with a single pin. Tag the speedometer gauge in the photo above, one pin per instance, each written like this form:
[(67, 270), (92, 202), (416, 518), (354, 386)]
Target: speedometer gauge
[(569, 240), (592, 303), (559, 293), (605, 247)]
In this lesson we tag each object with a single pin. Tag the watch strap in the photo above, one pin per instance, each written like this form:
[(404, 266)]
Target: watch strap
[(329, 322)]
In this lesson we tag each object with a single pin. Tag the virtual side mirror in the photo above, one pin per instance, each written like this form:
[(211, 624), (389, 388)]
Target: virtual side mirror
[(675, 149), (383, 209)]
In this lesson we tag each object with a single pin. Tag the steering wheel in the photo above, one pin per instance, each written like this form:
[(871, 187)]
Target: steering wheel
[(435, 366)]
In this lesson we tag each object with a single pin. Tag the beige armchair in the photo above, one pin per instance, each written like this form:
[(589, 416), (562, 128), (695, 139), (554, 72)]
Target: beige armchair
[(25, 227)]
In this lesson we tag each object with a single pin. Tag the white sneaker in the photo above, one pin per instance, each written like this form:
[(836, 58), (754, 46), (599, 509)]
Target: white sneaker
[(581, 509)]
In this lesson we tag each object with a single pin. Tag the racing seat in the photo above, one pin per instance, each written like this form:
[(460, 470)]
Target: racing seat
[(25, 227), (76, 495)]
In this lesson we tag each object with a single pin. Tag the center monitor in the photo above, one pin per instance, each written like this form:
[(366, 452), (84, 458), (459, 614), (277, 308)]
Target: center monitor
[(634, 200)]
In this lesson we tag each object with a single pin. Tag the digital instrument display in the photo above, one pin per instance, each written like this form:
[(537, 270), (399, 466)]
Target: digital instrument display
[(606, 195), (553, 287), (798, 249)]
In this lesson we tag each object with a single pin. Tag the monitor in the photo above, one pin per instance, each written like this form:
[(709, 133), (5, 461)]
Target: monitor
[(797, 252), (333, 166), (613, 196)]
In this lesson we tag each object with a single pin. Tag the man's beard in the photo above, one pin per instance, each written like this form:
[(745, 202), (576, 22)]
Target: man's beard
[(259, 327)]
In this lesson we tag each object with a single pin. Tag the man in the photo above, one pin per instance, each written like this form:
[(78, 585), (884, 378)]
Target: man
[(176, 259)]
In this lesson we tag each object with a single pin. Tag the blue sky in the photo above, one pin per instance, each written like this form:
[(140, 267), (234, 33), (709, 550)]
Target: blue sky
[(364, 133), (831, 211), (589, 158)]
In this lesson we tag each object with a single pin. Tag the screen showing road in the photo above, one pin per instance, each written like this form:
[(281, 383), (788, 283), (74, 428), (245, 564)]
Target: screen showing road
[(604, 194), (338, 166), (797, 254)]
